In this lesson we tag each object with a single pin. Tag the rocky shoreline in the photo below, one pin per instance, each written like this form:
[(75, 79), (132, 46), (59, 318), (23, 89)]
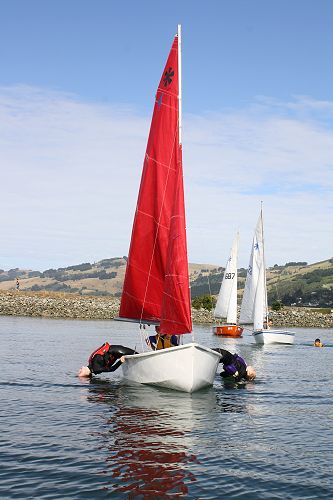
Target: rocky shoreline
[(70, 306)]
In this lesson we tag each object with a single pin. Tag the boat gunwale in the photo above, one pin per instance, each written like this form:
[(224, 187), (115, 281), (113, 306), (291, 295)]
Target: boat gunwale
[(173, 349), (273, 332)]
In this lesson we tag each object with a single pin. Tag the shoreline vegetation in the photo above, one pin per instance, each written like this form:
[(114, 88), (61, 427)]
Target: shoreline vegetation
[(70, 306)]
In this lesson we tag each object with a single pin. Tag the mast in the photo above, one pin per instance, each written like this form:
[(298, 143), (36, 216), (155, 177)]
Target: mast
[(180, 81), (180, 112), (264, 264)]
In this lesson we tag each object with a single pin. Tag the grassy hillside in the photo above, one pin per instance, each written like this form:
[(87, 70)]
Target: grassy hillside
[(292, 284), (100, 278)]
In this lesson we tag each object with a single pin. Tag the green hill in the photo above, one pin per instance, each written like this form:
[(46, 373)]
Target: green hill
[(295, 283)]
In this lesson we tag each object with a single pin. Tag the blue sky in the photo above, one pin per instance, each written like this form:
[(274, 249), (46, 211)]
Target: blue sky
[(109, 50), (77, 84)]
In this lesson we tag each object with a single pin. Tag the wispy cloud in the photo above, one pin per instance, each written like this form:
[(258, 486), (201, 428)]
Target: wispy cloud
[(70, 172), (266, 152)]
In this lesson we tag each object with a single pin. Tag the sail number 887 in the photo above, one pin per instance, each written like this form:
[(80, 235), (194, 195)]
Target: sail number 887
[(229, 276)]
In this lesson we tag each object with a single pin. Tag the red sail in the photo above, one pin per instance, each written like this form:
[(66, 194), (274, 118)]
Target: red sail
[(156, 286)]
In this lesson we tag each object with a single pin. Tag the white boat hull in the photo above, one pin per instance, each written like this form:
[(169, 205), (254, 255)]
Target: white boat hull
[(274, 337), (186, 368)]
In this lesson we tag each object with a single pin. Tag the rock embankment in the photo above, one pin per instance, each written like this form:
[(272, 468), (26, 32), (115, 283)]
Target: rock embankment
[(57, 305), (288, 317), (61, 305)]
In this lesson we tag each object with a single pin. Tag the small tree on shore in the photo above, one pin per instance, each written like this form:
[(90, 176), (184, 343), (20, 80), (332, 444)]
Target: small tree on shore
[(277, 305), (204, 302)]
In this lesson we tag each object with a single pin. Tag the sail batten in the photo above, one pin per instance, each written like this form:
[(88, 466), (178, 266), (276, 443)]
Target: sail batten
[(156, 285)]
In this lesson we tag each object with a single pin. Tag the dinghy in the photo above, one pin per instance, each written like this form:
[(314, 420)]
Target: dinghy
[(254, 307), (226, 305), (156, 286)]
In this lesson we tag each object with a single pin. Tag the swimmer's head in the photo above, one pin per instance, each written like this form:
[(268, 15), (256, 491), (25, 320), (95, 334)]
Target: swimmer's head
[(251, 373)]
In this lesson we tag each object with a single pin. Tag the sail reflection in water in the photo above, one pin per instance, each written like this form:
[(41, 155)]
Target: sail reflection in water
[(148, 438)]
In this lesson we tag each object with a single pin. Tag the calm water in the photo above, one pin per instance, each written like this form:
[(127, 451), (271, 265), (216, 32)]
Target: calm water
[(62, 437)]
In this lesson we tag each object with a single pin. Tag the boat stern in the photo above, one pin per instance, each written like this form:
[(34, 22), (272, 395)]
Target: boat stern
[(274, 337)]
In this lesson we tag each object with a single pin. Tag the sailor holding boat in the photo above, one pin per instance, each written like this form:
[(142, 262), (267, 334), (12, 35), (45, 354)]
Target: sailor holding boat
[(235, 367), (106, 358)]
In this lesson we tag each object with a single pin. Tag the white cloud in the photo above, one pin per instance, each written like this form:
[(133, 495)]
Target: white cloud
[(70, 172)]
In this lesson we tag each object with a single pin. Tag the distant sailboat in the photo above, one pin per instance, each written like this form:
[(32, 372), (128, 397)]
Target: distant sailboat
[(156, 287), (254, 307), (226, 305)]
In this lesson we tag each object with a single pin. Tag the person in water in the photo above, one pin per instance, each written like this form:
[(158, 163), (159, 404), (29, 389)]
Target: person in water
[(234, 366), (317, 343), (106, 358), (162, 341)]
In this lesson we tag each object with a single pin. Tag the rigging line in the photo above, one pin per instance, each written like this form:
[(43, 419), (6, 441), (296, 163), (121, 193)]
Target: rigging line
[(152, 217), (166, 92), (158, 162), (167, 105), (141, 335)]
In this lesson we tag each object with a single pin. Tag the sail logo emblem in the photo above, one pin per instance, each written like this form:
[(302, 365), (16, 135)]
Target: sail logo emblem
[(168, 77)]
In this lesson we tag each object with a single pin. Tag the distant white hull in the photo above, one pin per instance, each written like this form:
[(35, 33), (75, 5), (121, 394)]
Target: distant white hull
[(274, 337), (186, 368)]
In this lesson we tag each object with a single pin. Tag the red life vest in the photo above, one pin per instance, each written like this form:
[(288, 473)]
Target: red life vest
[(101, 350)]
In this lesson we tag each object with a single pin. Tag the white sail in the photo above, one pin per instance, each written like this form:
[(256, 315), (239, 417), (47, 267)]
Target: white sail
[(226, 306), (254, 308), (260, 301), (255, 293)]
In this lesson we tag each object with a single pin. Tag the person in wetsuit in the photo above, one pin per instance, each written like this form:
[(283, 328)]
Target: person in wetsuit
[(106, 358), (234, 366)]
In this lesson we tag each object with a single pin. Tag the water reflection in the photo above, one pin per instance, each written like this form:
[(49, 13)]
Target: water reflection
[(150, 436), (228, 403), (147, 438)]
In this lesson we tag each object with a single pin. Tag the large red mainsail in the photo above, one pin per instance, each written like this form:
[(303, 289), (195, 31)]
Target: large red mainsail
[(156, 286)]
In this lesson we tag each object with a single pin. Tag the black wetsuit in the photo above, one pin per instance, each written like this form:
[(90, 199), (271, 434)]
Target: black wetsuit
[(233, 365), (107, 358)]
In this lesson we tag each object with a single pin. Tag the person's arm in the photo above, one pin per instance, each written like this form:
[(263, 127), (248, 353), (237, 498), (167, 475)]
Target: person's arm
[(174, 341), (226, 356), (118, 352), (114, 367), (230, 371), (152, 341)]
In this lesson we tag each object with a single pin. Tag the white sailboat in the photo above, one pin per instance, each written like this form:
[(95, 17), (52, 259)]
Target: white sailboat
[(226, 305), (156, 287), (254, 307)]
